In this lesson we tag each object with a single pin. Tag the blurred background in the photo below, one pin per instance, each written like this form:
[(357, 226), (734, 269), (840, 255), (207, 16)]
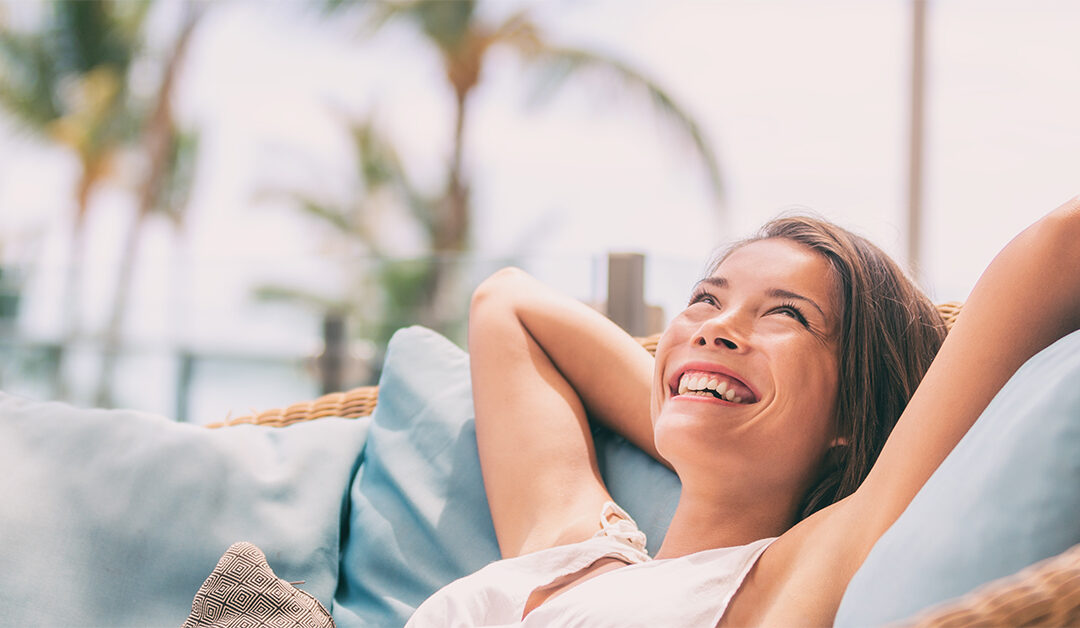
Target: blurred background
[(213, 207)]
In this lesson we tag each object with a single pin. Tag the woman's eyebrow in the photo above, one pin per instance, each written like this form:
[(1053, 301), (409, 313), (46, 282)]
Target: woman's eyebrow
[(716, 282), (780, 293)]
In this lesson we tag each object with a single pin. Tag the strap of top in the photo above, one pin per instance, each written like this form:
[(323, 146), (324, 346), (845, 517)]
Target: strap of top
[(616, 523)]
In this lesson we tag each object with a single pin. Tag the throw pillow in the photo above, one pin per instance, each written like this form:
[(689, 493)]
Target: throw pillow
[(114, 517), (244, 591)]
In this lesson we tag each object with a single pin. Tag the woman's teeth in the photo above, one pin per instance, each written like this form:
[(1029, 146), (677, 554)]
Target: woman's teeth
[(707, 385)]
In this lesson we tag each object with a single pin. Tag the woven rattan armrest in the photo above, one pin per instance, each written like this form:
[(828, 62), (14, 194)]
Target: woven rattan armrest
[(351, 404), (1044, 594)]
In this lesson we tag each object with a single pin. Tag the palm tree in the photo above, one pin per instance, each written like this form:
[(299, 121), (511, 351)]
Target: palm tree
[(384, 291), (465, 42), (92, 44), (164, 190), (66, 82)]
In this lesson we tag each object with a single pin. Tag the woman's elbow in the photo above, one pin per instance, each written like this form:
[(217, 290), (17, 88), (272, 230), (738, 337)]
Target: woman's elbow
[(494, 304), (1056, 240), (498, 289), (1064, 222)]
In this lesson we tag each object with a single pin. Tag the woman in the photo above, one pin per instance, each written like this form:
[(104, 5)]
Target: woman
[(771, 395)]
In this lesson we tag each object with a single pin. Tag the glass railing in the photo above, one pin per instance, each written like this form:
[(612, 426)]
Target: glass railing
[(209, 340)]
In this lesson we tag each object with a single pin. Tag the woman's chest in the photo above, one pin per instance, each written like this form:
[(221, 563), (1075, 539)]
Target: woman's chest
[(688, 591)]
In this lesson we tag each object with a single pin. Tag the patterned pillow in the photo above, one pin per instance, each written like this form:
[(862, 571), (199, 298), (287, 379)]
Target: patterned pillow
[(243, 591)]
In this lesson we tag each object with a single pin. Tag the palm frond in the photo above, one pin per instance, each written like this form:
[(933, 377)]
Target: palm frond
[(373, 14), (28, 76), (94, 33), (171, 197), (447, 24), (129, 17), (560, 63), (382, 168), (332, 216), (291, 294)]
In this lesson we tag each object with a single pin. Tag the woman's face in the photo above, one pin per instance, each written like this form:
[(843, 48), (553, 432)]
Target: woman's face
[(746, 376)]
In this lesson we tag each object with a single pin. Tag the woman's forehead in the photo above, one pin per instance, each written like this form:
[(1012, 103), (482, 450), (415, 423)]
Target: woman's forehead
[(777, 264)]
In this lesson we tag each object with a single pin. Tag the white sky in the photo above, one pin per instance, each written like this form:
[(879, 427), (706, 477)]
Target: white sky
[(804, 102)]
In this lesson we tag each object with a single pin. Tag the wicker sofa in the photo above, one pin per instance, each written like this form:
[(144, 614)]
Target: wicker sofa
[(1044, 594)]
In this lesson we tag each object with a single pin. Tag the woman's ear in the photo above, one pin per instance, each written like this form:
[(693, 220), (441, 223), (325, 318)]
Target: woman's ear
[(839, 441)]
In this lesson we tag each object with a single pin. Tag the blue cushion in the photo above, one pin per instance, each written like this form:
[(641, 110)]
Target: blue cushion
[(419, 517), (115, 518), (1007, 496)]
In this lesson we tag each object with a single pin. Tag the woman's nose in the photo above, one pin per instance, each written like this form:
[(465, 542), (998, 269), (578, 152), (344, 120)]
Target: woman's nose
[(718, 341), (722, 331)]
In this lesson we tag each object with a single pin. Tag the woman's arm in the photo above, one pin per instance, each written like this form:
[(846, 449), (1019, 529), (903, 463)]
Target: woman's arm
[(538, 360), (1026, 299)]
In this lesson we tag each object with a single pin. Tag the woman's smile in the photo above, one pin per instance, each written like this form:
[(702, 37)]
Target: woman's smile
[(711, 382)]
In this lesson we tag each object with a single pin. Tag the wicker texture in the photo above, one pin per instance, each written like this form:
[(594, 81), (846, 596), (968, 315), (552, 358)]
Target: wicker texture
[(352, 404), (1044, 594)]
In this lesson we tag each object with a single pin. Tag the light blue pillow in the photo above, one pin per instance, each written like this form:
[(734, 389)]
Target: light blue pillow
[(1007, 496), (115, 518), (419, 517)]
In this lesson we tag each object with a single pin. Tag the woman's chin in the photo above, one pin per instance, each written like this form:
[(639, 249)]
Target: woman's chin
[(677, 432)]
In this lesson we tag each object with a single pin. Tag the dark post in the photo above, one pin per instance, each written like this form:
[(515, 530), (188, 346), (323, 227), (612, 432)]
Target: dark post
[(916, 132), (626, 291), (184, 376), (332, 360)]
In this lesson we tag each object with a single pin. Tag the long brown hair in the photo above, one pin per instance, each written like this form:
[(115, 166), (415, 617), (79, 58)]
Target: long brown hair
[(889, 333)]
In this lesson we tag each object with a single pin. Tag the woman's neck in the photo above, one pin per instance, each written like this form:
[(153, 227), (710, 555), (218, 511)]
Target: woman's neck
[(702, 521)]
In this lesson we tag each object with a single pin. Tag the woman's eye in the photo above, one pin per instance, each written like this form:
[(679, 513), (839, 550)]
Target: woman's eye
[(703, 297), (793, 312)]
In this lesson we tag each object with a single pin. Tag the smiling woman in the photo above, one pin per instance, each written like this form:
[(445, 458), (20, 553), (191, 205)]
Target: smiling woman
[(883, 329), (773, 395), (737, 323)]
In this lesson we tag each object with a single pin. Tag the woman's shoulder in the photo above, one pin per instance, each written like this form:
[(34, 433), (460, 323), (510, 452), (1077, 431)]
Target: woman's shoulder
[(800, 578)]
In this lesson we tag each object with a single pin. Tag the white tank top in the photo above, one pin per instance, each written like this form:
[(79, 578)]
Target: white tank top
[(692, 590)]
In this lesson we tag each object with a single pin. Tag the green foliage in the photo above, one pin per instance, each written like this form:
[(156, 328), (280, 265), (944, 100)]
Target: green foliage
[(67, 81), (384, 291), (405, 285), (94, 33), (9, 296), (171, 196), (448, 24), (29, 76)]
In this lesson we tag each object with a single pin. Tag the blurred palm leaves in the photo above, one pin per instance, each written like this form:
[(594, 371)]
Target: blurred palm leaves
[(386, 290), (65, 82), (425, 290), (465, 41), (68, 81)]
